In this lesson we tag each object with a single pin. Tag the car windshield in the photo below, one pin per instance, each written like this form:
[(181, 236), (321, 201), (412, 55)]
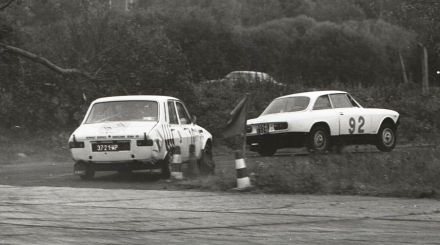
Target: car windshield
[(123, 111), (289, 104)]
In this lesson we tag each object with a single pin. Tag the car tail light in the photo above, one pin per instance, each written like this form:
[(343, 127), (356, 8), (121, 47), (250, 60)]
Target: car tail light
[(76, 144), (280, 126), (145, 141)]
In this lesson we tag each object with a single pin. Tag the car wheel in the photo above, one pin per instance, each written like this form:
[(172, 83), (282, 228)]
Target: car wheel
[(87, 169), (165, 172), (266, 151), (206, 163), (386, 137), (319, 139)]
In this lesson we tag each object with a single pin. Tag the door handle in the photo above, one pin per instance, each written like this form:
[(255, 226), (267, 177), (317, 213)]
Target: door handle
[(341, 113)]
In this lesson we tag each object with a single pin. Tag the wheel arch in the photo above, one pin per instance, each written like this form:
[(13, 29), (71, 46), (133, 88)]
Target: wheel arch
[(322, 124), (206, 142), (385, 120)]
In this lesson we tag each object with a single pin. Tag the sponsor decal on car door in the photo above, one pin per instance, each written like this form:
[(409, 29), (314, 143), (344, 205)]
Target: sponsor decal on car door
[(172, 129), (189, 136)]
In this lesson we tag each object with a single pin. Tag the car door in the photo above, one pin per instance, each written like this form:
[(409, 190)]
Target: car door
[(189, 134), (352, 119), (172, 130)]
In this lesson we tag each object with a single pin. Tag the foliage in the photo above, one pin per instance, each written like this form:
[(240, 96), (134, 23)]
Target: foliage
[(419, 112), (171, 47)]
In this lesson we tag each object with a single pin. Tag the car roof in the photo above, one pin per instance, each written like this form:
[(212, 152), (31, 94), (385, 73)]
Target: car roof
[(159, 98), (314, 94), (249, 73)]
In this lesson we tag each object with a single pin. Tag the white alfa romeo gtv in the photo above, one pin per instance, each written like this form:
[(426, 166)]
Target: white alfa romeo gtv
[(318, 120)]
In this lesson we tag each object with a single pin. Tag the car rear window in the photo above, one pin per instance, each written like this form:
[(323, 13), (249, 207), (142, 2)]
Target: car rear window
[(288, 104), (123, 111)]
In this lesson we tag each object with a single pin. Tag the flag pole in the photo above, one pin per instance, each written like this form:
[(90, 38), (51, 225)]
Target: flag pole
[(244, 131), (244, 145)]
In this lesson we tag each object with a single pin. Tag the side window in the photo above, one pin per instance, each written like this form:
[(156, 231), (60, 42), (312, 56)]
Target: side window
[(172, 115), (183, 114), (340, 101), (352, 101), (323, 102)]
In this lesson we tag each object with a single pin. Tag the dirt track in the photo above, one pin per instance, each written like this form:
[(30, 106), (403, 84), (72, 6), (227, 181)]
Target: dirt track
[(41, 203)]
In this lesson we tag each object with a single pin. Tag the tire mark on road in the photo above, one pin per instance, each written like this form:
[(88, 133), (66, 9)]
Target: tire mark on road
[(175, 210), (180, 228)]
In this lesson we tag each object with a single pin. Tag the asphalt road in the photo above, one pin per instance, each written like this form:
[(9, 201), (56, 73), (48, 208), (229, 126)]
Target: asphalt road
[(64, 215), (43, 203)]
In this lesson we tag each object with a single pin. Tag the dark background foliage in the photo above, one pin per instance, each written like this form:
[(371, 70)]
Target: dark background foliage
[(172, 46)]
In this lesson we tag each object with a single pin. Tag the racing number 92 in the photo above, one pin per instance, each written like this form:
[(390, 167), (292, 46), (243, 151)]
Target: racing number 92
[(352, 124)]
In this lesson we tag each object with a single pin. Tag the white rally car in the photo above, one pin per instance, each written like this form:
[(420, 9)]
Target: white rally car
[(127, 133), (319, 120)]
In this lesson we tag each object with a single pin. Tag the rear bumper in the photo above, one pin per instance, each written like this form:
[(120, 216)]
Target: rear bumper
[(280, 140), (135, 153), (122, 165)]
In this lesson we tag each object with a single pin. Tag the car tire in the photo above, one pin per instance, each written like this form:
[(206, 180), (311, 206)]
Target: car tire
[(318, 139), (89, 171), (165, 171), (266, 151), (386, 137), (206, 163)]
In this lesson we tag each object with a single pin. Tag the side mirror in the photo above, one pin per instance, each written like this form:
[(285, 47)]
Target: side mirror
[(193, 119)]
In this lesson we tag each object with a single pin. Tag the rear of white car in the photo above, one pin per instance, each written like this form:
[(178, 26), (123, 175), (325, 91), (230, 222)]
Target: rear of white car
[(127, 133), (112, 142)]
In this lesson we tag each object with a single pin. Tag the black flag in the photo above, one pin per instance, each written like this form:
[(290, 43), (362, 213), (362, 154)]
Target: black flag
[(237, 122)]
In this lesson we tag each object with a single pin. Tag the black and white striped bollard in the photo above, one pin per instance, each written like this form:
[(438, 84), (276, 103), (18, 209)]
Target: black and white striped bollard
[(243, 181), (176, 164)]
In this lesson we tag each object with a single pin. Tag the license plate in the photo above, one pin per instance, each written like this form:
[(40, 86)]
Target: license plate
[(104, 147), (263, 128)]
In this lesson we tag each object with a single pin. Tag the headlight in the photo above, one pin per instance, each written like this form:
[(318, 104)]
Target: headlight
[(248, 129), (280, 125)]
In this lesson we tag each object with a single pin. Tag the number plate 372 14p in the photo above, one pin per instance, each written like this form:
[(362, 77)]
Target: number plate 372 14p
[(104, 146)]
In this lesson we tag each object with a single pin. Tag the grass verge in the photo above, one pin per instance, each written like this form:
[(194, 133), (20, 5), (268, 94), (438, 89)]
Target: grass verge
[(403, 173), (16, 147)]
